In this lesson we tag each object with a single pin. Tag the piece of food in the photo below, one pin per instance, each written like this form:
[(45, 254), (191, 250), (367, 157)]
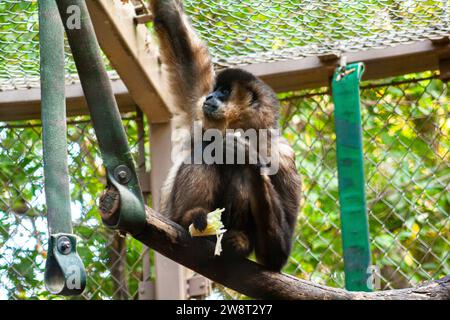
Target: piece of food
[(214, 227)]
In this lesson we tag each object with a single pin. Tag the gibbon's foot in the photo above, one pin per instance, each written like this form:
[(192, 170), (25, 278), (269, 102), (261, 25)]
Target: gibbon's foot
[(236, 242), (196, 216)]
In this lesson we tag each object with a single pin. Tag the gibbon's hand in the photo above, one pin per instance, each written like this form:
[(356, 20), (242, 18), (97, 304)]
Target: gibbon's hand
[(189, 67), (196, 216)]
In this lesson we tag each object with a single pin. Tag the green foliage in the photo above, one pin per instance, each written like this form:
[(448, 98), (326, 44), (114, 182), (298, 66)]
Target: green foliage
[(23, 231), (406, 143), (240, 32)]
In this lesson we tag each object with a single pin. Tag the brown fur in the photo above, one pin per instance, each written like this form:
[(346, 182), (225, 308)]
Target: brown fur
[(260, 210)]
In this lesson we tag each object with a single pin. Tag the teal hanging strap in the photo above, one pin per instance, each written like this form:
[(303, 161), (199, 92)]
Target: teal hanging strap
[(105, 116), (354, 224), (64, 270)]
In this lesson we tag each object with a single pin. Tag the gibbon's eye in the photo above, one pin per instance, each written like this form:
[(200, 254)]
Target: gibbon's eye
[(254, 97), (222, 93)]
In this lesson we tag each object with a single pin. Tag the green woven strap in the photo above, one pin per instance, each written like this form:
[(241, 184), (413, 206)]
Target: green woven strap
[(354, 224), (64, 270), (105, 117)]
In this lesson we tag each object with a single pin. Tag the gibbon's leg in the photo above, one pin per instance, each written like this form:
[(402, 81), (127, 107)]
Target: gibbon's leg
[(189, 65), (194, 191), (275, 209), (237, 218)]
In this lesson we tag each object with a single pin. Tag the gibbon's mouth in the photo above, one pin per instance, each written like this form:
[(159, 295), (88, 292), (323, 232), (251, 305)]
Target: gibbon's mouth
[(213, 111)]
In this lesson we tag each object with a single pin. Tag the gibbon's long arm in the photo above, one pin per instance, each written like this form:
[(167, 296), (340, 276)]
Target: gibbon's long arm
[(188, 63), (275, 212)]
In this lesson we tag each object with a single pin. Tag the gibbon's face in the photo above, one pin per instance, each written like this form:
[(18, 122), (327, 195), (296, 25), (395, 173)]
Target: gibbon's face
[(240, 101)]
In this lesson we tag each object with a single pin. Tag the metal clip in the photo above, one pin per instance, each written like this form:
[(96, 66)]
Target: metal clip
[(64, 270), (342, 66), (343, 62), (344, 73)]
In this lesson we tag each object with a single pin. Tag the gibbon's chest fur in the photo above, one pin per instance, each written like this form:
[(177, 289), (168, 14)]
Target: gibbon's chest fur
[(231, 186), (235, 195)]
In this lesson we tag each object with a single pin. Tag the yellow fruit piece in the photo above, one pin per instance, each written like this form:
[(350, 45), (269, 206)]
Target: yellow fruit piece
[(209, 231), (214, 225)]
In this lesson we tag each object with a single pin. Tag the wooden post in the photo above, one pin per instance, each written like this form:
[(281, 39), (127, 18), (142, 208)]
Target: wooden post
[(170, 276), (146, 286)]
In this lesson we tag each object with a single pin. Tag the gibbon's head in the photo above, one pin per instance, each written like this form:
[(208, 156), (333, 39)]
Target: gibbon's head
[(240, 101)]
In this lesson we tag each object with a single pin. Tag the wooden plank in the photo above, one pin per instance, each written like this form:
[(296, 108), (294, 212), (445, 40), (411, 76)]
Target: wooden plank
[(170, 276), (313, 72), (25, 104), (134, 58)]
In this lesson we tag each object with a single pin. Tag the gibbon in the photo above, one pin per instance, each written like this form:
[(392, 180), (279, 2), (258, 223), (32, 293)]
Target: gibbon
[(260, 209)]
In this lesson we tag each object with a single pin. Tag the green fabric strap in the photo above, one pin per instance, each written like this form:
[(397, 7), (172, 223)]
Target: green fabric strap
[(64, 270), (105, 117), (354, 224)]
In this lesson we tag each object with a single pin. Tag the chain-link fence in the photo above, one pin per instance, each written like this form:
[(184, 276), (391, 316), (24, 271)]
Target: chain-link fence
[(406, 145), (406, 137), (19, 47), (113, 263), (245, 32), (407, 161)]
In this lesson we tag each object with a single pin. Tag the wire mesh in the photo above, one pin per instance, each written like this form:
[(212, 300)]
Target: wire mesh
[(406, 138), (19, 47), (245, 32), (406, 144), (113, 263)]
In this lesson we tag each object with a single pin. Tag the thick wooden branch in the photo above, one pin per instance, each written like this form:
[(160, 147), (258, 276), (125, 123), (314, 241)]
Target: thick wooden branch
[(252, 279)]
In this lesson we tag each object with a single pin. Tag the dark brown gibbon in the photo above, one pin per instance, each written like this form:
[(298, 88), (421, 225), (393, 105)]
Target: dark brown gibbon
[(260, 209)]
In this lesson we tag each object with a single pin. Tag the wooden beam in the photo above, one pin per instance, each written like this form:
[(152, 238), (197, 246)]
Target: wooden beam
[(135, 59), (137, 63), (25, 104), (314, 72)]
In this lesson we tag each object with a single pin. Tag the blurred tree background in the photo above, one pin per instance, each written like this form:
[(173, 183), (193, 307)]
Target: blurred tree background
[(406, 145)]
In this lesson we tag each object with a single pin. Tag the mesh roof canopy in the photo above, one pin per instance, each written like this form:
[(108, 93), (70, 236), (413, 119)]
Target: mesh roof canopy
[(244, 32), (19, 55), (19, 47)]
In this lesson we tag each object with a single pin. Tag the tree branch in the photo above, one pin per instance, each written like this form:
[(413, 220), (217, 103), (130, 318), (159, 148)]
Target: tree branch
[(252, 279)]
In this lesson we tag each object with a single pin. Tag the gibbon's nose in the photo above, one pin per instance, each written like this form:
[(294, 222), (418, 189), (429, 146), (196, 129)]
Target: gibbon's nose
[(211, 104)]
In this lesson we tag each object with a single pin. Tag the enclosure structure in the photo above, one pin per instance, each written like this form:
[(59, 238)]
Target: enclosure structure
[(294, 47)]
